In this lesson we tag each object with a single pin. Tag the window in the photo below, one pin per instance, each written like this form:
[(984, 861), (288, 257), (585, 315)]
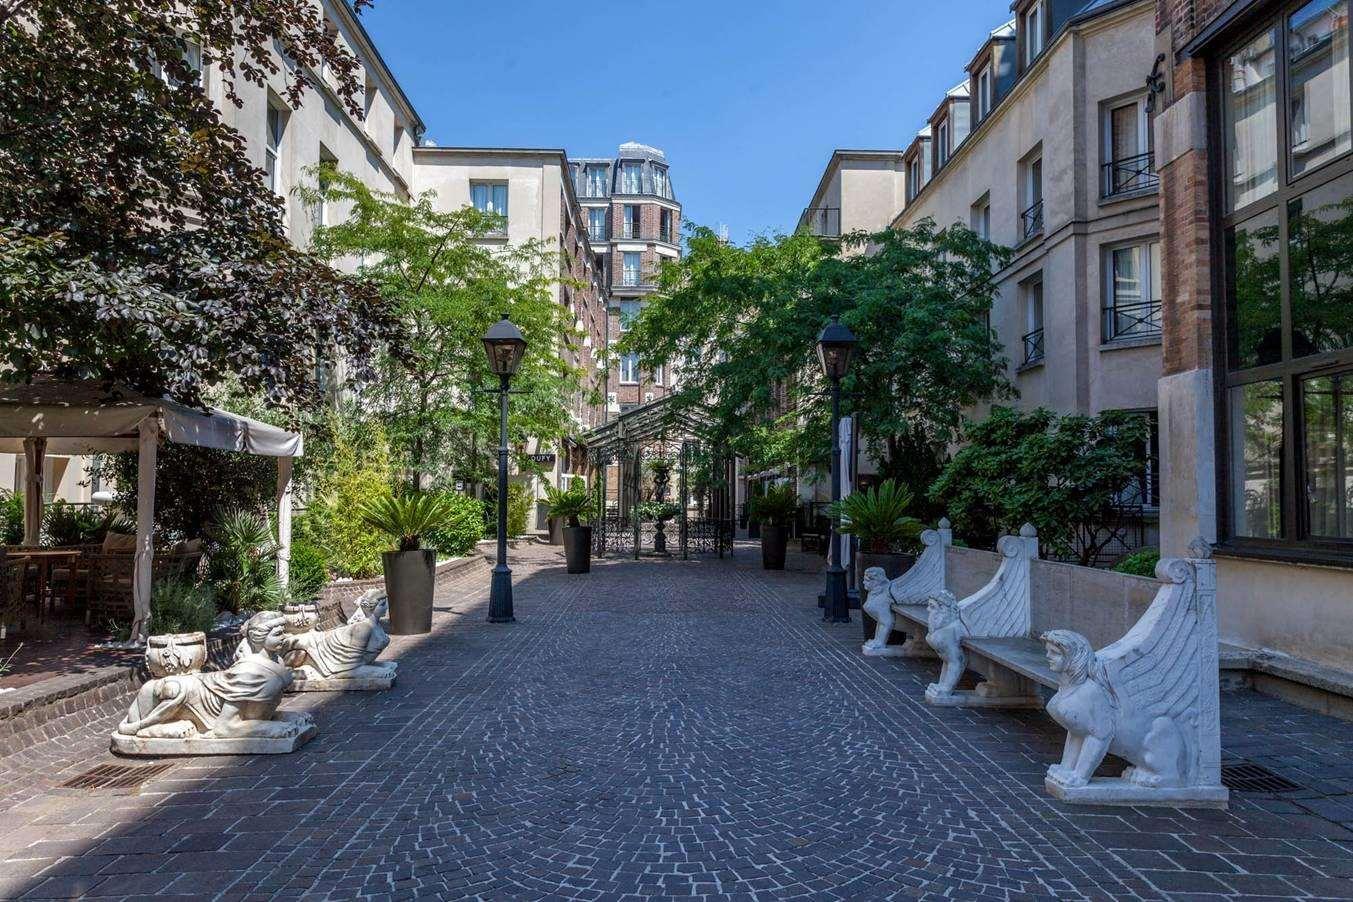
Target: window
[(665, 225), (631, 178), (491, 197), (594, 181), (1031, 220), (657, 380), (913, 177), (596, 223), (628, 311), (1129, 164), (631, 221), (1318, 90), (1034, 27), (629, 273), (1144, 490), (1288, 310), (942, 142), (984, 92), (660, 182), (1132, 297), (323, 209), (272, 150), (1033, 321), (981, 217), (629, 369)]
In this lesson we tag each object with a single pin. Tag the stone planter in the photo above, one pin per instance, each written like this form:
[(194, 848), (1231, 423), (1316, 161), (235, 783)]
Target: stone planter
[(176, 653), (894, 565), (578, 548), (774, 541), (409, 579)]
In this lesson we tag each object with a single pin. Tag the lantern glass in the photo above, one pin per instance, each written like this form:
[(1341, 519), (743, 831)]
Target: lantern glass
[(505, 347), (835, 347)]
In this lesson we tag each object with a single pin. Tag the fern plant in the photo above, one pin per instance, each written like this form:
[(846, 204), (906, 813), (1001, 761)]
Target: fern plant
[(878, 517), (777, 507), (242, 565), (407, 518)]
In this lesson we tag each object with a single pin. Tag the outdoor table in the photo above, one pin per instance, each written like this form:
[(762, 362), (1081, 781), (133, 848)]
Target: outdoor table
[(43, 560)]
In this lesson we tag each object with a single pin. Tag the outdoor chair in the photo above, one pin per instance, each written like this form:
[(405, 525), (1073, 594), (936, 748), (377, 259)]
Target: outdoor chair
[(111, 578)]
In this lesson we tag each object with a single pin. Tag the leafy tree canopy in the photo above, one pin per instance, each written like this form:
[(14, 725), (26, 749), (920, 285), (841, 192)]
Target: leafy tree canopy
[(448, 287), (1065, 475), (137, 242)]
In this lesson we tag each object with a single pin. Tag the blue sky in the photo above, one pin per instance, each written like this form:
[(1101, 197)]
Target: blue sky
[(747, 98)]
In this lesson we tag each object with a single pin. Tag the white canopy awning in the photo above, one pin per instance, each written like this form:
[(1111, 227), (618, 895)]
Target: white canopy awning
[(87, 417)]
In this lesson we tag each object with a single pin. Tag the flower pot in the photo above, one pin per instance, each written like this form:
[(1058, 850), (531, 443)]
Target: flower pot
[(578, 548), (774, 541), (173, 654), (409, 580), (894, 565)]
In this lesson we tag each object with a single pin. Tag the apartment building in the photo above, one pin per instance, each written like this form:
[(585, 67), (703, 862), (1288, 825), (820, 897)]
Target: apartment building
[(860, 190), (285, 142), (1254, 141), (634, 224)]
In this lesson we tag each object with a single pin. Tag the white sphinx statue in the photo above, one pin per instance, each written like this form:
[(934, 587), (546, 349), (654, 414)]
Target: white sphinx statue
[(183, 711), (923, 580), (1149, 698), (344, 658), (1000, 609)]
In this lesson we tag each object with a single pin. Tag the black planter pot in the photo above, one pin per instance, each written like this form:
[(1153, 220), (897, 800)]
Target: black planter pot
[(774, 541), (409, 580), (894, 565), (578, 548)]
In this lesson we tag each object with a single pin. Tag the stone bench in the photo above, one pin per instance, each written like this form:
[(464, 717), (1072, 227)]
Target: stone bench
[(1149, 696), (888, 600)]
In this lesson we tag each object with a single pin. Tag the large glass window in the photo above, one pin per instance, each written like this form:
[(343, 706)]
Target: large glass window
[(596, 223), (1320, 268), (1251, 121), (1328, 413), (1255, 291), (1256, 465), (630, 263), (1318, 83)]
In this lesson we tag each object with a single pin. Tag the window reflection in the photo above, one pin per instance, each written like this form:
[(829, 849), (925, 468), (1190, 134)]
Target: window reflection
[(1328, 408), (1255, 292), (1318, 92), (1251, 121), (1320, 266), (1256, 459)]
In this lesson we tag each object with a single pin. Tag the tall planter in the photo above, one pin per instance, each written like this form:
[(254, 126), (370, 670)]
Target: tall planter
[(578, 548), (894, 565), (774, 541), (409, 580)]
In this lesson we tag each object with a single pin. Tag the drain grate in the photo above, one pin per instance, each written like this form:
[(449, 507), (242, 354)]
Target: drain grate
[(1246, 776), (115, 776)]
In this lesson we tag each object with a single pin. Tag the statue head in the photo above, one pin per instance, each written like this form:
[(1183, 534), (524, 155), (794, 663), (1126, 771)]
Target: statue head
[(1069, 655), (941, 609), (875, 580), (373, 604), (265, 631)]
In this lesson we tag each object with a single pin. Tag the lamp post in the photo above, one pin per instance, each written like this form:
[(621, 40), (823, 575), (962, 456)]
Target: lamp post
[(505, 347), (835, 345)]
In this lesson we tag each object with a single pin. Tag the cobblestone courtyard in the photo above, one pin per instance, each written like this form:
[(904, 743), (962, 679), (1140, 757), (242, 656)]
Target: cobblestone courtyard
[(665, 729)]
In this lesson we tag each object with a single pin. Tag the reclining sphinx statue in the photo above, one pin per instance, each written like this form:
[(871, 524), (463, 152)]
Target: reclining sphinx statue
[(342, 658), (184, 711)]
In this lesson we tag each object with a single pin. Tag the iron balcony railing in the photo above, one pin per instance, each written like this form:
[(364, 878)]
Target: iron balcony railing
[(824, 222), (1130, 174), (1033, 346), (1031, 220), (631, 230), (1132, 320), (629, 279)]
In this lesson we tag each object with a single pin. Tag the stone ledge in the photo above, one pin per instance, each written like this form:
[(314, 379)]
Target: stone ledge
[(1287, 667), (347, 590)]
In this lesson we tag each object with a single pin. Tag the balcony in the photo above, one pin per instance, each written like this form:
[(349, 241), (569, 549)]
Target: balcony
[(1033, 347), (1031, 220), (824, 222), (631, 231), (1132, 320), (1129, 175)]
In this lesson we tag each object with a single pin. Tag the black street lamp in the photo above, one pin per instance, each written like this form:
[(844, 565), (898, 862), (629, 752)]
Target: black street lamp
[(505, 346), (835, 345)]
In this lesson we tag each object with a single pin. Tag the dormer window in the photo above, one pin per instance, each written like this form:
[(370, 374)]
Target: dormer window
[(913, 177), (942, 142), (1033, 26), (984, 92)]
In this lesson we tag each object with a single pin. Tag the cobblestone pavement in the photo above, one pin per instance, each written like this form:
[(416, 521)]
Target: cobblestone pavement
[(666, 729)]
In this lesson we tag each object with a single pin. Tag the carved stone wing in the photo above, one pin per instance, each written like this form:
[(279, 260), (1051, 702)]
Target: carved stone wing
[(1001, 607), (926, 576), (1154, 667)]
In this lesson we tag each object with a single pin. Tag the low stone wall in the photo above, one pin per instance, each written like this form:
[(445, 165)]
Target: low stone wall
[(336, 594)]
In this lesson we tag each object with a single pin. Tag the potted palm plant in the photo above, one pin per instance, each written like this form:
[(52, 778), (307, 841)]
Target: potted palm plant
[(573, 505), (878, 518), (775, 511), (410, 569)]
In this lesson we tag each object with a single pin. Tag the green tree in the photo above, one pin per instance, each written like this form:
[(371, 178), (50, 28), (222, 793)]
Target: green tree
[(138, 243), (448, 287), (1065, 475)]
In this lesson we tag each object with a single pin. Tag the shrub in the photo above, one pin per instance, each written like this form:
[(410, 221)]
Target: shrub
[(242, 564), (519, 503), (777, 507), (70, 524), (354, 472), (179, 606), (878, 517), (457, 536), (571, 504), (1141, 562), (11, 518), (407, 518), (308, 571)]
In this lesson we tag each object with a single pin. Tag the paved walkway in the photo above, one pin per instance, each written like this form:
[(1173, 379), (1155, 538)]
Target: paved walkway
[(666, 729)]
